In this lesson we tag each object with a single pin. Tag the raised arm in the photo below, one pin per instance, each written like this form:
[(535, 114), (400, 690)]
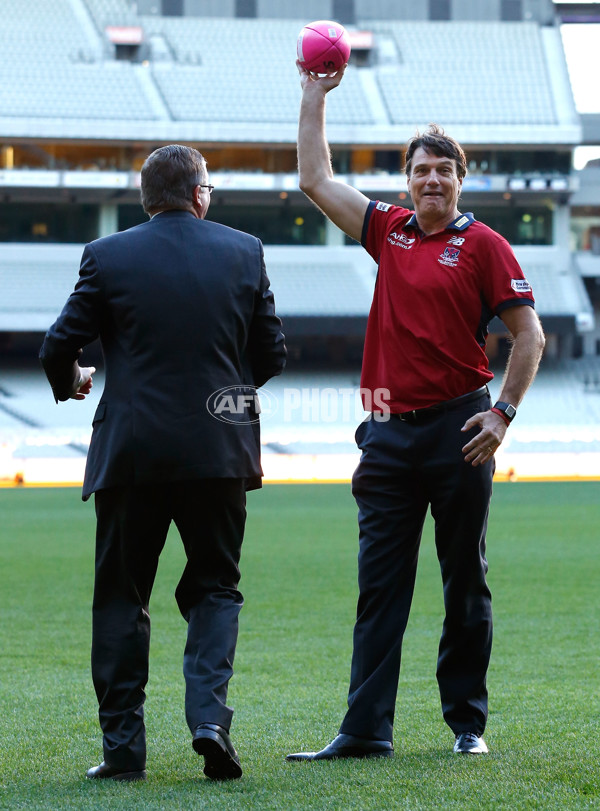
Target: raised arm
[(344, 205)]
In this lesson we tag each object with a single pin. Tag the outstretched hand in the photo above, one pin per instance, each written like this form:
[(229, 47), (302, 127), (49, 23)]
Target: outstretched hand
[(326, 83), (84, 384), (484, 444)]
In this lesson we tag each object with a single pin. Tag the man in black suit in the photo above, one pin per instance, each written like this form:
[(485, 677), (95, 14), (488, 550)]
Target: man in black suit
[(183, 311)]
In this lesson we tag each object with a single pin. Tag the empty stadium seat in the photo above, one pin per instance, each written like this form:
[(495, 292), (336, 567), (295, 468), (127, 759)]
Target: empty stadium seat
[(515, 89)]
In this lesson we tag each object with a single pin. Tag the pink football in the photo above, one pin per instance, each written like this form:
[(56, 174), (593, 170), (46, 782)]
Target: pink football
[(323, 46)]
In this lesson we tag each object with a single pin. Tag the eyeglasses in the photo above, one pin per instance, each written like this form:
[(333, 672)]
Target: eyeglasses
[(208, 186)]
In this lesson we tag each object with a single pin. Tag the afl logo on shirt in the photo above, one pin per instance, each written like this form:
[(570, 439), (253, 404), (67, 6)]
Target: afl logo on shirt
[(449, 257), (401, 240), (383, 206)]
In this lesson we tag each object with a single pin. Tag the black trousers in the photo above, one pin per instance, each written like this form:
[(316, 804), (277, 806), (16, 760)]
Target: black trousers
[(404, 469), (132, 526)]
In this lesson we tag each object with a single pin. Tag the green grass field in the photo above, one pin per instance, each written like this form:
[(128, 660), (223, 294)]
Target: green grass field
[(292, 666)]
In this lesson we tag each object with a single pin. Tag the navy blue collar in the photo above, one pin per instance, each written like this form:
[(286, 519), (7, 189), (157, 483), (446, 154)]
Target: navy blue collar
[(172, 212), (462, 222)]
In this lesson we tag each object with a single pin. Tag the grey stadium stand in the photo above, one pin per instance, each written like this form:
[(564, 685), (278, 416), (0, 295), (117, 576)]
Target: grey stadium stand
[(229, 82)]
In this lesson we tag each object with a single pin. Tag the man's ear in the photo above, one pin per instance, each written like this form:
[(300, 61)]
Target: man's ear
[(197, 201)]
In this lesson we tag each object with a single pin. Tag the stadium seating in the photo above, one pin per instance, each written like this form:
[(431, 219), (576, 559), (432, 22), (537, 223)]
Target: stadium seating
[(557, 285), (53, 66), (321, 281), (75, 91), (209, 79), (201, 71), (497, 81), (315, 415), (35, 281), (514, 89), (112, 12)]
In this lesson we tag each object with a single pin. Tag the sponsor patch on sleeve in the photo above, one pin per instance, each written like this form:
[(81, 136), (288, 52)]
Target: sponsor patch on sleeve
[(520, 285), (383, 206)]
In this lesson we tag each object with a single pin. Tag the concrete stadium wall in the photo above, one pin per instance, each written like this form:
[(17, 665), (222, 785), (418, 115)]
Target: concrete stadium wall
[(475, 10)]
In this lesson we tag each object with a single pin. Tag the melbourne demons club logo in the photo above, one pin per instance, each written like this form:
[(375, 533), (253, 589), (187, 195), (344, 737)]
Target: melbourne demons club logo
[(449, 257)]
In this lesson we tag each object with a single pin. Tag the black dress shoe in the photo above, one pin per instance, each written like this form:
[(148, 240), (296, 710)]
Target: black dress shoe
[(221, 761), (345, 746), (106, 772), (469, 743)]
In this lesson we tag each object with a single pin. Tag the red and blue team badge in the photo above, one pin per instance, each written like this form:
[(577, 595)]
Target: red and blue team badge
[(449, 257)]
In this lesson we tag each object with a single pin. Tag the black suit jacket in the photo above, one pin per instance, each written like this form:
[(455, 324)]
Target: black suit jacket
[(183, 308)]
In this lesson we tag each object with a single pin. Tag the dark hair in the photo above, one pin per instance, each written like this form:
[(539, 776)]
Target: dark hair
[(169, 176), (435, 141)]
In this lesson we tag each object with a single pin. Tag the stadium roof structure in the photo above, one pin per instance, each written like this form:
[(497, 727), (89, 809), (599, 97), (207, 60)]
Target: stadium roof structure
[(218, 80), (591, 128)]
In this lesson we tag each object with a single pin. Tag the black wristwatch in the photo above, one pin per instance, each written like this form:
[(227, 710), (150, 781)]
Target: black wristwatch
[(508, 410)]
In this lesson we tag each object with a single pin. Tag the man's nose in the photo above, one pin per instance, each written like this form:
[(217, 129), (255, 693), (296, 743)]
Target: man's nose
[(433, 177)]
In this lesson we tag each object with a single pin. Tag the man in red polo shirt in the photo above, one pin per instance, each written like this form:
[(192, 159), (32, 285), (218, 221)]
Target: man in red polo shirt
[(442, 277)]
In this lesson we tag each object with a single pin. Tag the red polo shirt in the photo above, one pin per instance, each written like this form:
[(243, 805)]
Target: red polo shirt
[(433, 300)]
